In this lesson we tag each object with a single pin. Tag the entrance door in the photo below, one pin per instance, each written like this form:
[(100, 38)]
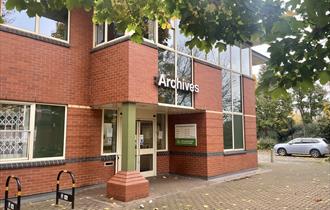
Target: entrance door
[(145, 159)]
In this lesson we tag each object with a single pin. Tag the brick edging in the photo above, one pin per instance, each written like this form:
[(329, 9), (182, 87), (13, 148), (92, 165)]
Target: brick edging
[(45, 163), (211, 154)]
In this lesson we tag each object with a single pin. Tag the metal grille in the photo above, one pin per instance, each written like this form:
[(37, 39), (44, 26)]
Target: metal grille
[(14, 130)]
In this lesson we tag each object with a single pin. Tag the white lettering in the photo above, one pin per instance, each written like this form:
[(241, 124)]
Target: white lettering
[(162, 80), (176, 83), (196, 88)]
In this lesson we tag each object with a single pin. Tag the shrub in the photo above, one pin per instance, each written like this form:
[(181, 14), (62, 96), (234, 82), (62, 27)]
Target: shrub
[(266, 143)]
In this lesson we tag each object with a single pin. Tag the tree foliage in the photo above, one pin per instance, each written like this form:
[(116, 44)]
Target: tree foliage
[(309, 103), (273, 115), (297, 30)]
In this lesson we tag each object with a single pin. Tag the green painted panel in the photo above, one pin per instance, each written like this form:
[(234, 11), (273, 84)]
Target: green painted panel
[(128, 136), (186, 142)]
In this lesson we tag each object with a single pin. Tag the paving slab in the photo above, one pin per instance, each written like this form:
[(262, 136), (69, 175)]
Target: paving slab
[(288, 183)]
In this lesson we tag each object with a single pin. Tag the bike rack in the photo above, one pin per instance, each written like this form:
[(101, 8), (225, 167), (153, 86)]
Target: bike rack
[(62, 195), (10, 205)]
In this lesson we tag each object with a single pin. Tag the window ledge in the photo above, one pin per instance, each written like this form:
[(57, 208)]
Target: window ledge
[(33, 36), (31, 164), (239, 152), (120, 40), (248, 77), (206, 63)]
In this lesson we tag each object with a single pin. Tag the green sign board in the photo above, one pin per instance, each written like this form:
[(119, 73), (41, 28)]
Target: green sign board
[(186, 142)]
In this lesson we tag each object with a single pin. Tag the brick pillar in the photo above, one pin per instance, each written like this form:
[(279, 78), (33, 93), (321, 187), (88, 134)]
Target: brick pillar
[(128, 184)]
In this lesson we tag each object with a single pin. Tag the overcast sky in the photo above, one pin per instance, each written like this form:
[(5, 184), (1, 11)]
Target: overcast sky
[(262, 49)]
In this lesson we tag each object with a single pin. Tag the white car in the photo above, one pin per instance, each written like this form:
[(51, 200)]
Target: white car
[(316, 147)]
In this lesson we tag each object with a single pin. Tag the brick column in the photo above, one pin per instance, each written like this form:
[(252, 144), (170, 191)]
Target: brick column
[(128, 184)]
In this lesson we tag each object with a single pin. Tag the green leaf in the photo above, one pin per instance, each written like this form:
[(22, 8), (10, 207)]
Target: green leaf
[(324, 77), (12, 4), (278, 92), (281, 28), (137, 38)]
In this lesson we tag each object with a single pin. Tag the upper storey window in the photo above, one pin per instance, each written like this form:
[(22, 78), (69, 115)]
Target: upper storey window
[(107, 32), (53, 24)]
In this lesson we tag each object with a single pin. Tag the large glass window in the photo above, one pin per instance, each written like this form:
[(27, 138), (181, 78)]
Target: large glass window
[(228, 131), (181, 73), (17, 19), (181, 40), (161, 132), (109, 131), (237, 93), (213, 56), (166, 66), (226, 91), (225, 58), (105, 32), (54, 23), (184, 74), (236, 59), (149, 30), (232, 108), (166, 36), (16, 131), (49, 131), (246, 61)]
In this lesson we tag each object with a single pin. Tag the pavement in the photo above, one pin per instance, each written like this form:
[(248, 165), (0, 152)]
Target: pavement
[(287, 183)]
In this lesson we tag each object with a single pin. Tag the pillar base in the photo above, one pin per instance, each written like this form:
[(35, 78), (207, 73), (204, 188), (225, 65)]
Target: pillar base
[(127, 186)]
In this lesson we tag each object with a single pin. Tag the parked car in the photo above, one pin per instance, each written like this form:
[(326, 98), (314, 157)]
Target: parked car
[(316, 147)]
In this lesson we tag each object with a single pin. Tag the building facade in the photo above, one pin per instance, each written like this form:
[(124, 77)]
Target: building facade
[(85, 98)]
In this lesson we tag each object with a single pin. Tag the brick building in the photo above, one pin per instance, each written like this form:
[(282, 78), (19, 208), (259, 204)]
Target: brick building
[(85, 98)]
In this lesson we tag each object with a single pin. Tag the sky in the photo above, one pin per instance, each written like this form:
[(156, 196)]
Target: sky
[(262, 49)]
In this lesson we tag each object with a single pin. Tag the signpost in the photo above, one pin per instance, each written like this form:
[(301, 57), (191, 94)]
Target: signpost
[(186, 135)]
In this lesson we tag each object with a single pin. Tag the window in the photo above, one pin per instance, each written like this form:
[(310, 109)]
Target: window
[(109, 131), (225, 58), (149, 30), (246, 61), (232, 108), (54, 23), (14, 131), (166, 36), (213, 56), (182, 71), (49, 131), (22, 140), (236, 59), (184, 74), (161, 132), (166, 65), (181, 39), (105, 32)]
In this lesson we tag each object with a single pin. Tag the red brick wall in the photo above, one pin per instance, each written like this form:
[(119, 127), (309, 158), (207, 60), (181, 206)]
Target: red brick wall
[(109, 74), (43, 179), (143, 67), (199, 119), (83, 140), (32, 70), (209, 81), (214, 132), (250, 133), (249, 96), (83, 133), (219, 165), (163, 164)]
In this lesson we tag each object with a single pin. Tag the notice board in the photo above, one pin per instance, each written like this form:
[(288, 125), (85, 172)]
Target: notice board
[(186, 135)]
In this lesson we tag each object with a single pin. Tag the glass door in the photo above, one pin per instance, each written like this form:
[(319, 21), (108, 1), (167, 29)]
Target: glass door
[(145, 147)]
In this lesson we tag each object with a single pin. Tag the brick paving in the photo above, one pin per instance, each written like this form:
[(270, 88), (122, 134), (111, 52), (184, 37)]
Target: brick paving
[(292, 183)]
